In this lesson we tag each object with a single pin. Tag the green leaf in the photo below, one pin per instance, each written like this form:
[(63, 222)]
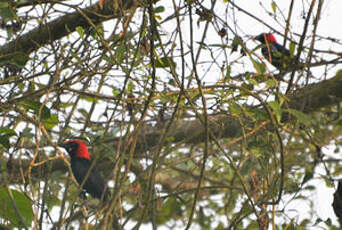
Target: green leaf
[(248, 87), (302, 117), (89, 99), (120, 53), (95, 32), (83, 112), (18, 58), (27, 133), (80, 31), (328, 222), (35, 106), (310, 188), (130, 87), (52, 200), (259, 67), (65, 105), (235, 108), (228, 71), (170, 207), (274, 7), (271, 82), (115, 92), (3, 4), (7, 13), (235, 43), (328, 182), (163, 62), (159, 9), (46, 65), (5, 135), (251, 226), (23, 204), (292, 48), (51, 122), (56, 175), (220, 226), (4, 141), (8, 132), (253, 82), (276, 109), (307, 176)]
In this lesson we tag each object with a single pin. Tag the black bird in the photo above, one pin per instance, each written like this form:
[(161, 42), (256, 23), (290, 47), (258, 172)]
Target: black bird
[(337, 203), (80, 165), (276, 54)]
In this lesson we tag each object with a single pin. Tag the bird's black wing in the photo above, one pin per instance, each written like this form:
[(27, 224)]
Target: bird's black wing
[(95, 184), (281, 49), (337, 203)]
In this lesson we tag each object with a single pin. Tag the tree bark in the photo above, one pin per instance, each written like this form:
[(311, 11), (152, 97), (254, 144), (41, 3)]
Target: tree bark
[(64, 25)]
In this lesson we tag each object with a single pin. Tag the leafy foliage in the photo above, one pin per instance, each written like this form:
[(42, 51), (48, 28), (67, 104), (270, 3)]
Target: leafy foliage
[(187, 131)]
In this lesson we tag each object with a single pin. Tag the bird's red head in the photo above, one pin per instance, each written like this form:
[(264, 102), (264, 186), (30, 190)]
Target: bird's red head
[(77, 148), (266, 38), (270, 38)]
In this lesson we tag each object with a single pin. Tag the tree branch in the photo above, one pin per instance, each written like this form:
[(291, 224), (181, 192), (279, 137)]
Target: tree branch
[(64, 25)]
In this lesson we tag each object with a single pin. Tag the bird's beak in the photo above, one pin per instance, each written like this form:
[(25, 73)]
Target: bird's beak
[(259, 37)]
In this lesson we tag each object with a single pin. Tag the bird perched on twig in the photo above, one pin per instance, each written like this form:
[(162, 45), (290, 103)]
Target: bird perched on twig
[(80, 164), (276, 54)]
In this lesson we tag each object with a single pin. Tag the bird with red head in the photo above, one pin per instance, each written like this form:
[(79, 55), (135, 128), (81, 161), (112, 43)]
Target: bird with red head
[(80, 164), (276, 54)]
